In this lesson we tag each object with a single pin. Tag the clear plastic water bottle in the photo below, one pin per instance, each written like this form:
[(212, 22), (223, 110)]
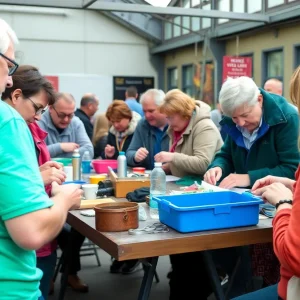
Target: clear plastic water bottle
[(76, 165), (86, 162), (158, 187), (122, 165)]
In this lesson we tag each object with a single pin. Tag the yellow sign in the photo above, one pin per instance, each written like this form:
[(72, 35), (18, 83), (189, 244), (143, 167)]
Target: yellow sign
[(147, 81), (119, 81)]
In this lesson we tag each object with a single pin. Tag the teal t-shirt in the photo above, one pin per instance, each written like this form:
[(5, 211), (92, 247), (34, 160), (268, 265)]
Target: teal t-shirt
[(21, 192)]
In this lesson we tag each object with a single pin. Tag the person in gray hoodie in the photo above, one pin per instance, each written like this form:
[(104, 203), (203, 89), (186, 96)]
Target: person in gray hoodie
[(66, 132), (150, 136)]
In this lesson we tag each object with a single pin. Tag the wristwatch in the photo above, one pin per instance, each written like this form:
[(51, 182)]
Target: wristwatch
[(283, 201)]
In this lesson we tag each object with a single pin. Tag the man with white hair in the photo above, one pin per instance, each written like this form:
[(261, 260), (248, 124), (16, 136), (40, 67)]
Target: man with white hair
[(262, 134), (28, 218), (150, 136)]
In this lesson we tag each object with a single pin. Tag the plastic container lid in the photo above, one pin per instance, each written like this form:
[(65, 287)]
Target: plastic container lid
[(157, 164), (121, 153)]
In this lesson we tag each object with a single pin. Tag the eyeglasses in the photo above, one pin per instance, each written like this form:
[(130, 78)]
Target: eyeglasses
[(62, 115), (12, 65), (38, 110)]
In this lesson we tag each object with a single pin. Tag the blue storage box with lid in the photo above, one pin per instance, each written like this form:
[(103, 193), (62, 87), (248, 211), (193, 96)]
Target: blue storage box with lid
[(208, 210)]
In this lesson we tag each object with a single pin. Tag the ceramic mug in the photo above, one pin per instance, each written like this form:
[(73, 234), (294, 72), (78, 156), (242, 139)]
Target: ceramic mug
[(89, 191)]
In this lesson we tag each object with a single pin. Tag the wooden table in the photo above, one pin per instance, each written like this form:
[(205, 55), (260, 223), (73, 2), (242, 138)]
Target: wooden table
[(123, 246)]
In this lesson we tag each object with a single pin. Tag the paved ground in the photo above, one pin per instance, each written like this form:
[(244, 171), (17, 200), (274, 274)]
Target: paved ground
[(106, 286)]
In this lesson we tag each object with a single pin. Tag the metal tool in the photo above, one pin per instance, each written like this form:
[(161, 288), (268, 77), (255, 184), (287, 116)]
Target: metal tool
[(152, 228)]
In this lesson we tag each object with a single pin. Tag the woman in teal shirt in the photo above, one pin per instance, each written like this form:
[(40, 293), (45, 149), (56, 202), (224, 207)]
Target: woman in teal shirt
[(28, 218)]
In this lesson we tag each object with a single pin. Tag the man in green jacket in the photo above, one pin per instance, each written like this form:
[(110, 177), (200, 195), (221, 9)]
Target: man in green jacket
[(262, 140), (262, 136)]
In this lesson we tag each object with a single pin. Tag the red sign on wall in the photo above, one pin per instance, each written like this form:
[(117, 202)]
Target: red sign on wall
[(236, 66), (54, 81)]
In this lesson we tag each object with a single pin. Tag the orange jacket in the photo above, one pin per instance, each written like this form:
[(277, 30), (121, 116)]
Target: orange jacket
[(286, 240)]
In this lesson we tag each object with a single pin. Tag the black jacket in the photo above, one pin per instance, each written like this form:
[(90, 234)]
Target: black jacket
[(100, 146), (111, 140), (144, 136), (86, 122)]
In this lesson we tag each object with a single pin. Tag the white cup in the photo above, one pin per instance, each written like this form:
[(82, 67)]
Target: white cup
[(89, 191), (69, 173)]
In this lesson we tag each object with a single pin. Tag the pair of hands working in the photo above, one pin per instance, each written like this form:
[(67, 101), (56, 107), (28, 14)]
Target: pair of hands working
[(69, 147), (52, 173), (271, 188), (163, 157)]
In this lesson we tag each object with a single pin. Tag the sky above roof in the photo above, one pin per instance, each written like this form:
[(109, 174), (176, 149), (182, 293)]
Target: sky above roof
[(162, 3)]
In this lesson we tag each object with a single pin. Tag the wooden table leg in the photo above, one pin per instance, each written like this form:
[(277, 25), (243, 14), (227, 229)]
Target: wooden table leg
[(148, 278), (212, 272)]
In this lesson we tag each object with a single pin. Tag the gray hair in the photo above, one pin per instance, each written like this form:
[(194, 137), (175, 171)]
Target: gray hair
[(236, 92), (7, 35), (88, 98), (158, 96), (67, 97)]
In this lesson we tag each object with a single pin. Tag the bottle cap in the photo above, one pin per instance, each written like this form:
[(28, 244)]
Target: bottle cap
[(157, 164), (121, 153), (76, 153)]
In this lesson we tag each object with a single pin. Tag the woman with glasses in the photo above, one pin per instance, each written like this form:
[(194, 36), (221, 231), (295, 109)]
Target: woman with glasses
[(30, 95)]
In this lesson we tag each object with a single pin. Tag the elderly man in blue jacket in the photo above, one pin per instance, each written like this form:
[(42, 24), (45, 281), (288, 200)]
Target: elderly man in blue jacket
[(150, 136)]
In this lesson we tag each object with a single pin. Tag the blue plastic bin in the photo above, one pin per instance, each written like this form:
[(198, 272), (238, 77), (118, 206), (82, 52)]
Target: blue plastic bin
[(207, 211)]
